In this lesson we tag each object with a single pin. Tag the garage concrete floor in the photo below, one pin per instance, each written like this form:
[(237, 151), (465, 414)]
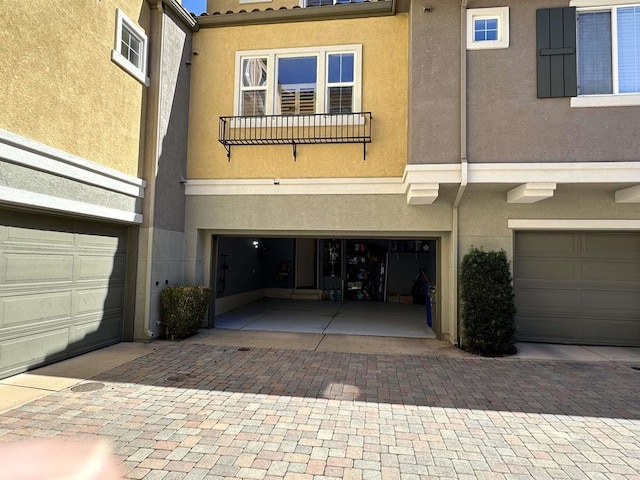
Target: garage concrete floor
[(347, 318)]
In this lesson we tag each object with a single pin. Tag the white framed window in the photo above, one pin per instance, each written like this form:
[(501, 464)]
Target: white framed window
[(298, 81), (131, 48), (487, 28), (608, 53), (322, 3)]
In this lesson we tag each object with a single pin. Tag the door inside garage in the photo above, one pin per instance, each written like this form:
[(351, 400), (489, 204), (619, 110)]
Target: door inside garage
[(578, 287), (62, 285)]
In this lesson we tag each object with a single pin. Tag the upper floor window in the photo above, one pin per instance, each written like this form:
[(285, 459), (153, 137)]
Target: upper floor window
[(299, 81), (487, 28), (609, 50), (321, 3), (130, 48)]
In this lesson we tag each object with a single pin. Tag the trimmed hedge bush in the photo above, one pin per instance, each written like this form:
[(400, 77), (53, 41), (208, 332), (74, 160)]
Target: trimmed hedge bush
[(488, 311), (182, 309)]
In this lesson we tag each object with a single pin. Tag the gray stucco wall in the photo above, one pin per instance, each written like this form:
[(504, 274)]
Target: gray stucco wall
[(434, 87), (484, 212), (508, 123), (174, 123)]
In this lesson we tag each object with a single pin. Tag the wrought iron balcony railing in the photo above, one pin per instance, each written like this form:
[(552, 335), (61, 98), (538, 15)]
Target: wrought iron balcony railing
[(295, 130)]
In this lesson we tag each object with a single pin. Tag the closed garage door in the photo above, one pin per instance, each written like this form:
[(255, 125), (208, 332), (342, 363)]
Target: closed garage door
[(578, 287), (61, 288)]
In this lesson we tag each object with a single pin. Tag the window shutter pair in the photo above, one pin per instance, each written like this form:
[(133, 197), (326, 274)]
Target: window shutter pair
[(556, 46)]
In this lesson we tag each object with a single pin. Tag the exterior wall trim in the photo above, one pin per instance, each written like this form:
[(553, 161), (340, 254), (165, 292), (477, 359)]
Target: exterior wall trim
[(25, 198), (297, 186), (565, 172), (562, 224), (31, 154)]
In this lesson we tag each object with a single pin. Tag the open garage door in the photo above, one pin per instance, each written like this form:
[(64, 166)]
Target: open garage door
[(61, 288), (578, 287)]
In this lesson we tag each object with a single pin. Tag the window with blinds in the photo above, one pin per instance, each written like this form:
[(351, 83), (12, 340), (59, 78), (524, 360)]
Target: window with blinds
[(340, 82), (299, 81), (609, 51), (297, 85)]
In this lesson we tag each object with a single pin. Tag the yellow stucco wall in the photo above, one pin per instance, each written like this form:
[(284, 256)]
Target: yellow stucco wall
[(384, 93), (59, 85)]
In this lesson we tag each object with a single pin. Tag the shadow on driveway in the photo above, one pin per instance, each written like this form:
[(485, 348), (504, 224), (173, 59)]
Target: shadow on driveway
[(602, 389)]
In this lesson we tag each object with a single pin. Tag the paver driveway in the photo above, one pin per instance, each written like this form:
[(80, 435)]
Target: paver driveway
[(190, 411)]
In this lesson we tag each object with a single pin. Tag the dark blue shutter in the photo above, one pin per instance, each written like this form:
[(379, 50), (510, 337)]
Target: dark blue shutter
[(556, 45)]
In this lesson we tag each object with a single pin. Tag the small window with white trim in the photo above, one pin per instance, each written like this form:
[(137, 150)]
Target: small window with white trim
[(487, 28), (299, 81), (130, 48)]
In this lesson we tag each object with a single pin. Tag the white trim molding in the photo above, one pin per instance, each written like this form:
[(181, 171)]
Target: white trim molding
[(31, 154), (600, 3), (628, 195), (572, 224), (614, 100), (565, 172), (531, 192), (14, 196), (297, 186)]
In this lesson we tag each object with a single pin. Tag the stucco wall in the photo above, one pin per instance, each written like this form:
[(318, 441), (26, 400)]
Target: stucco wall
[(60, 86), (434, 88), (384, 93), (484, 212), (507, 123)]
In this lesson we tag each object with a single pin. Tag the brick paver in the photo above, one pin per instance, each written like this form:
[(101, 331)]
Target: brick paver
[(189, 411)]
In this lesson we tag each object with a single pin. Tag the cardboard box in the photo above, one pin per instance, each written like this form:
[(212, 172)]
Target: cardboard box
[(405, 298)]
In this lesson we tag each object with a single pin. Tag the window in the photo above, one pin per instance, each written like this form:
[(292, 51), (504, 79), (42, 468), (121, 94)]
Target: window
[(322, 3), (130, 48), (608, 53), (299, 81), (487, 28)]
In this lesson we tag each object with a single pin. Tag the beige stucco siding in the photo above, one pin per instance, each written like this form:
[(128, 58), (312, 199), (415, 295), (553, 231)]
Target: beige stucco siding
[(60, 86), (485, 213), (384, 93)]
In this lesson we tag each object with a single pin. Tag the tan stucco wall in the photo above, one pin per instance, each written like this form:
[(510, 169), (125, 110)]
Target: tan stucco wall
[(384, 93), (60, 86)]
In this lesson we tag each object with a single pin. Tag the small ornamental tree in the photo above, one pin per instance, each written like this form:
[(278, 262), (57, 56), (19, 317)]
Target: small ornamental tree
[(182, 309), (488, 311)]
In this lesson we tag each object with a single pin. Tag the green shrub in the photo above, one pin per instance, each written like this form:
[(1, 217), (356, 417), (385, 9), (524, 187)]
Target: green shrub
[(182, 309), (488, 311)]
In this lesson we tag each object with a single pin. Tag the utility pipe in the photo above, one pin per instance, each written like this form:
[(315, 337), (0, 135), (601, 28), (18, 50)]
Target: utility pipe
[(463, 167)]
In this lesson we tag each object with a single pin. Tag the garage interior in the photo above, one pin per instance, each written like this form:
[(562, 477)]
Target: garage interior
[(357, 286)]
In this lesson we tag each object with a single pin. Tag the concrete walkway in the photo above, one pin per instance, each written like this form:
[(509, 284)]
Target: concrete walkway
[(292, 406)]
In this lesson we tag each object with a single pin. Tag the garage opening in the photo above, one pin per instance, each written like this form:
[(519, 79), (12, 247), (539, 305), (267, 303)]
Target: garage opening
[(364, 286)]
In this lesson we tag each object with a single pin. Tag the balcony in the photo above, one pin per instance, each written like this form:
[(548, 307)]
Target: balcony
[(296, 130)]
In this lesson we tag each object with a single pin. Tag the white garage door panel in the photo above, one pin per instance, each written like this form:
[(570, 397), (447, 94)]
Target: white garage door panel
[(61, 288), (27, 309), (28, 350), (29, 268), (598, 304)]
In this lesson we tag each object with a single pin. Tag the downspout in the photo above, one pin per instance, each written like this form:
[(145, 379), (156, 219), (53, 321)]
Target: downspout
[(463, 167), (153, 147)]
